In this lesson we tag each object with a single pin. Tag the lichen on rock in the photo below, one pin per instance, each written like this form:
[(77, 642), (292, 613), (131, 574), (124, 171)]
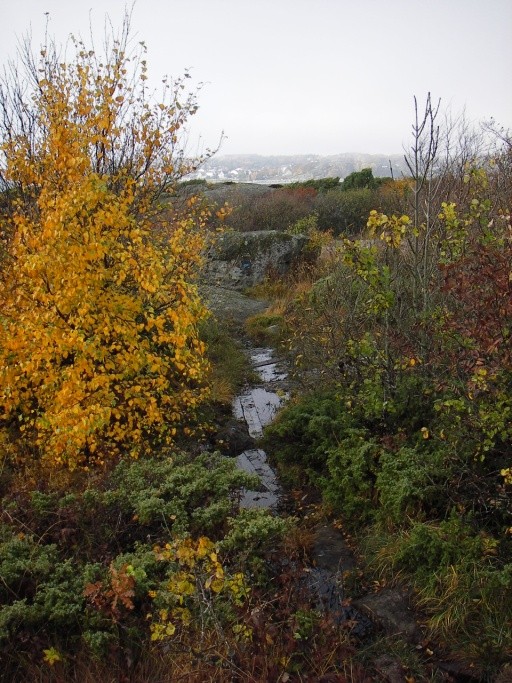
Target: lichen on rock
[(239, 260)]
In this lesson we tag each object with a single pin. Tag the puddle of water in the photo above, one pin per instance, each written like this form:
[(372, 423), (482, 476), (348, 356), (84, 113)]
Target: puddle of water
[(254, 461), (264, 364), (258, 407), (261, 356), (270, 372)]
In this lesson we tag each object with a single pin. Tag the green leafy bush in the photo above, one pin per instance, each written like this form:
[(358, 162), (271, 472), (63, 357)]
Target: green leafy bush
[(319, 184), (462, 582), (182, 494), (77, 568), (344, 212), (252, 530), (351, 468), (304, 432), (39, 589), (411, 483)]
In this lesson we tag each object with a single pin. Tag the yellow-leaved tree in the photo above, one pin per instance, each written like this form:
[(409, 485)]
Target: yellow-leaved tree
[(99, 347)]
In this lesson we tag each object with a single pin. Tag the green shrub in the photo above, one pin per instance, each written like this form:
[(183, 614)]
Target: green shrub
[(265, 328), (428, 547), (304, 226), (39, 590), (304, 432), (186, 495), (251, 531), (344, 211), (461, 582), (411, 483), (77, 568), (318, 184), (349, 483)]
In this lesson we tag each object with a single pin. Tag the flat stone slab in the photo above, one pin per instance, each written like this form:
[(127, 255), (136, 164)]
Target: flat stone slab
[(390, 608), (254, 461), (331, 551), (266, 367), (261, 357), (258, 408), (229, 305), (326, 591)]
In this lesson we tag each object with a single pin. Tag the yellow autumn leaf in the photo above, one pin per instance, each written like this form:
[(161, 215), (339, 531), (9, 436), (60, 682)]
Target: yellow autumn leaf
[(216, 584), (52, 656)]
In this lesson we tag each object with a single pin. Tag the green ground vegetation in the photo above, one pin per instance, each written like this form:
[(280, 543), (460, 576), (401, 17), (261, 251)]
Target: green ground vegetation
[(404, 421)]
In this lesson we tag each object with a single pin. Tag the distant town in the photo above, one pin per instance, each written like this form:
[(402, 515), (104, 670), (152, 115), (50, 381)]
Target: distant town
[(256, 168)]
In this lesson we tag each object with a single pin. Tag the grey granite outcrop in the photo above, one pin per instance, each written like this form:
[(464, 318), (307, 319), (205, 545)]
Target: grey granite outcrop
[(239, 260)]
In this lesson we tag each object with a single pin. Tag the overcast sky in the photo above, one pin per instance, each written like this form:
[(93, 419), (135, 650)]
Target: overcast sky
[(306, 76)]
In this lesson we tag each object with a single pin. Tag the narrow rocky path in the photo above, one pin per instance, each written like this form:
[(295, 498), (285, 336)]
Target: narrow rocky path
[(381, 613), (331, 558), (257, 407), (385, 612)]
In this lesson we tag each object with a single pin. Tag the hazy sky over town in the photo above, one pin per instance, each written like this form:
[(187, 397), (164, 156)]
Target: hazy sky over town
[(305, 76)]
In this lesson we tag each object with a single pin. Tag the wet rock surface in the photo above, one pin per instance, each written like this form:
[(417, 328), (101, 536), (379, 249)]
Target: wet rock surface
[(257, 407), (328, 596), (323, 581), (254, 461), (234, 437), (331, 551), (390, 608), (231, 306)]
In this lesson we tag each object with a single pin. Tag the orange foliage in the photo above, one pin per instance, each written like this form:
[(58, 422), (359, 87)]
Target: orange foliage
[(99, 351)]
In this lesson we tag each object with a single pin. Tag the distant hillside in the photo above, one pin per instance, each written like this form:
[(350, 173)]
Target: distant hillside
[(285, 169)]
